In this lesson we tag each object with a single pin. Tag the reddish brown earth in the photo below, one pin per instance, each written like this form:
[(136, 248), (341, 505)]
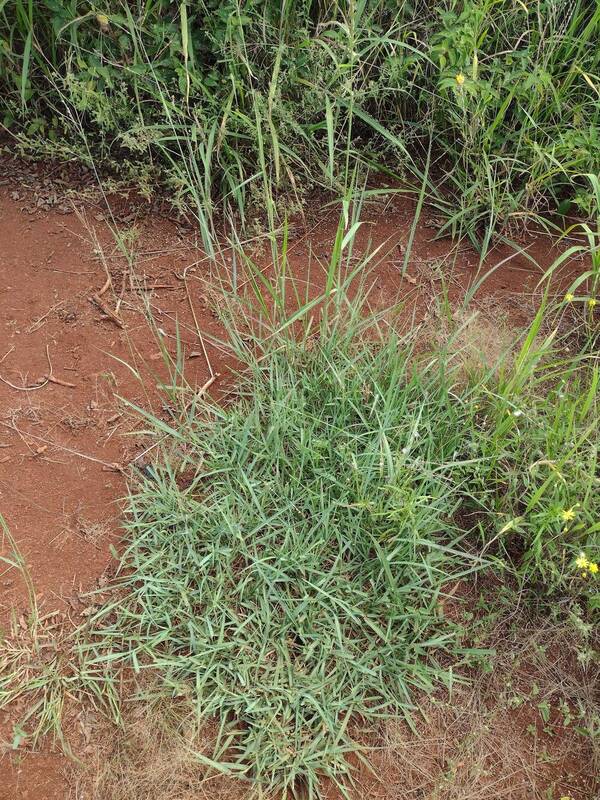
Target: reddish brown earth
[(59, 491), (63, 448)]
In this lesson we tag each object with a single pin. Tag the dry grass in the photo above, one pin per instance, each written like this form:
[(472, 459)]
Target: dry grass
[(157, 756), (479, 340), (515, 734), (512, 734)]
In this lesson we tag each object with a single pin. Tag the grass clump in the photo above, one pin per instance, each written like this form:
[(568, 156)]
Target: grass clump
[(293, 583), (287, 565), (293, 567)]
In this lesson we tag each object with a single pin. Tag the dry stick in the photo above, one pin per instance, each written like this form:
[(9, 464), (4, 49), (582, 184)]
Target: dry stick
[(114, 467), (39, 384), (98, 301), (150, 287), (68, 271), (31, 388), (43, 381), (123, 288), (105, 287), (60, 382), (189, 297), (38, 322), (96, 298), (205, 387), (50, 376), (7, 354)]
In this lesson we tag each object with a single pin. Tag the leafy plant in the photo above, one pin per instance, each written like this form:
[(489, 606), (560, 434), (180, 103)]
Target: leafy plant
[(236, 106)]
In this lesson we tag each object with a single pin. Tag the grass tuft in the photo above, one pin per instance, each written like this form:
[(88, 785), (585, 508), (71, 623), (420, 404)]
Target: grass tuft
[(294, 579)]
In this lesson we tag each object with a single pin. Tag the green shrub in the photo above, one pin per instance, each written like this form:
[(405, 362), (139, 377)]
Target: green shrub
[(216, 99)]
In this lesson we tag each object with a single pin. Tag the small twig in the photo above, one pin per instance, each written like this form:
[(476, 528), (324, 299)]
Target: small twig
[(7, 354), (97, 300), (152, 286), (52, 379), (198, 331), (30, 388), (206, 386), (13, 427), (38, 322), (68, 271), (106, 286), (50, 370), (43, 381)]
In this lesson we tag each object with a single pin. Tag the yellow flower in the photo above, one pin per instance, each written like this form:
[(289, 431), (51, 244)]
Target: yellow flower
[(569, 297), (592, 302), (102, 20), (581, 561), (593, 567), (460, 79), (567, 515)]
